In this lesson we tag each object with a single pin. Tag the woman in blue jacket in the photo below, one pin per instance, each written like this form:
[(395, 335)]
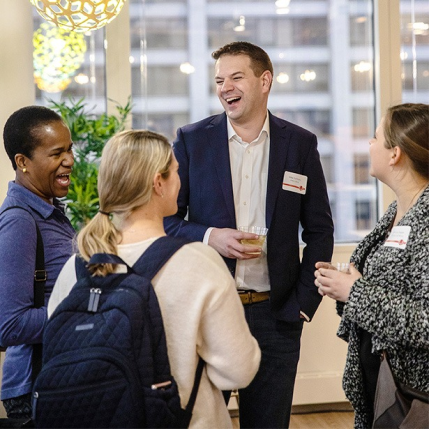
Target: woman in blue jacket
[(39, 145)]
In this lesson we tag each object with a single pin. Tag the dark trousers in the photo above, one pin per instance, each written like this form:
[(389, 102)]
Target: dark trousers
[(267, 401)]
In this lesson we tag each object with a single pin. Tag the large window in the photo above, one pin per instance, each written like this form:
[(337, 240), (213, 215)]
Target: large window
[(415, 50), (322, 52), (323, 79), (272, 30)]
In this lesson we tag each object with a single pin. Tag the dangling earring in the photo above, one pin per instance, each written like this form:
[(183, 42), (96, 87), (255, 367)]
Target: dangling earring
[(24, 170)]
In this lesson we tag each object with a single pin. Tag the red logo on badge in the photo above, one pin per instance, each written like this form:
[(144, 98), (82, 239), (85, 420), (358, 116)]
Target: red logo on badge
[(301, 188)]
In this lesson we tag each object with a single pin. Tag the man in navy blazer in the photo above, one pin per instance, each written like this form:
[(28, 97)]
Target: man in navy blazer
[(247, 167)]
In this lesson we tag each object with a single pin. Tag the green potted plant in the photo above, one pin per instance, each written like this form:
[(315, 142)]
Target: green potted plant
[(89, 133)]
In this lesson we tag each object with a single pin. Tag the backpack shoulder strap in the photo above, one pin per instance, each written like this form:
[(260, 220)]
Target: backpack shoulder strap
[(106, 258), (152, 260), (197, 379), (80, 266), (157, 254)]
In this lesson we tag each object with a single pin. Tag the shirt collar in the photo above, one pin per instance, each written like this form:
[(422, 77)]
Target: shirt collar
[(233, 135), (32, 200)]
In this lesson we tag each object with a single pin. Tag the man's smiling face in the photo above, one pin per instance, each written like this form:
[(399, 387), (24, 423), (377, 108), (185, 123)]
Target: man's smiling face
[(241, 93)]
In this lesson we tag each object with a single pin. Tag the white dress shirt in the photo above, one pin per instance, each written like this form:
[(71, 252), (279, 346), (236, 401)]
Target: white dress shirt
[(249, 173)]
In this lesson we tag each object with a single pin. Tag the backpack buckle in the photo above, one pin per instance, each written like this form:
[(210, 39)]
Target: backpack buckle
[(40, 275)]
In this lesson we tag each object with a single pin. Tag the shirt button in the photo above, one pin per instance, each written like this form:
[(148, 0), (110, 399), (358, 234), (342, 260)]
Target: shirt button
[(245, 204), (246, 176)]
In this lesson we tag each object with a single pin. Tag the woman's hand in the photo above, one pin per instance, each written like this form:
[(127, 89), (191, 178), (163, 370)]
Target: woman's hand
[(334, 283), (326, 265)]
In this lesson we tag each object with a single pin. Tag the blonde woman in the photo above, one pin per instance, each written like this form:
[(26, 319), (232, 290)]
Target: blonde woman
[(138, 186)]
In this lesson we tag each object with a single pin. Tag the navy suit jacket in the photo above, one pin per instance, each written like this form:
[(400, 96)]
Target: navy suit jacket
[(206, 196)]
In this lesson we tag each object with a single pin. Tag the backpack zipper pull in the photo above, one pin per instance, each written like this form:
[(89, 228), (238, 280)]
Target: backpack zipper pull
[(34, 405), (94, 298)]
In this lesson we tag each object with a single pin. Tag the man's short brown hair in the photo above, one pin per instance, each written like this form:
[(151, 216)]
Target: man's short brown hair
[(259, 59)]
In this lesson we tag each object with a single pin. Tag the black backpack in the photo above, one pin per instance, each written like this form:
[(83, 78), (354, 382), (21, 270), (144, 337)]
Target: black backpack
[(105, 362)]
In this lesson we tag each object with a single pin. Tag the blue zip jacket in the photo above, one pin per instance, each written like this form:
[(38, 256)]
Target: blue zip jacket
[(21, 325)]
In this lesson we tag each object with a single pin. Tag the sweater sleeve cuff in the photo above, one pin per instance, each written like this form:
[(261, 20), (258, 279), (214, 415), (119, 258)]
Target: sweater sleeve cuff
[(352, 306)]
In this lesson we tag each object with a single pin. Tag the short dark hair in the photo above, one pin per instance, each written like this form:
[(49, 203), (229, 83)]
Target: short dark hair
[(407, 126), (259, 59), (21, 131)]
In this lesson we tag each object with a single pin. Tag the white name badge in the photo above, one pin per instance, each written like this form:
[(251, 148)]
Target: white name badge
[(295, 182), (398, 237)]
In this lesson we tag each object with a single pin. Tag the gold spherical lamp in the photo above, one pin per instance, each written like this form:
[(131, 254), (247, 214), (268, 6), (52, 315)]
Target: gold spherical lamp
[(52, 85), (79, 15), (57, 55)]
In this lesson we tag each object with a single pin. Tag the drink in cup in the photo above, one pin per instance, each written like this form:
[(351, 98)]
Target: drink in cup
[(260, 231), (343, 267)]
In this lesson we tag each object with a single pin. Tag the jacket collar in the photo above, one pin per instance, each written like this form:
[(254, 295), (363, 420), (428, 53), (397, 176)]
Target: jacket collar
[(31, 200), (217, 136)]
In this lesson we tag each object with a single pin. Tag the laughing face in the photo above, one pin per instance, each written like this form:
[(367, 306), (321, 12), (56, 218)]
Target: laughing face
[(48, 170), (242, 94)]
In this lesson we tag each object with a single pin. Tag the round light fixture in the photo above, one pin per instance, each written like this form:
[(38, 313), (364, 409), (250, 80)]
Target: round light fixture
[(57, 55), (362, 67), (78, 15), (51, 86), (187, 68), (308, 75), (282, 78)]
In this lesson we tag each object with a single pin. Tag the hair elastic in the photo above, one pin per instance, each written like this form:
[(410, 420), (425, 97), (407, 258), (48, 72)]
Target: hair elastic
[(105, 213)]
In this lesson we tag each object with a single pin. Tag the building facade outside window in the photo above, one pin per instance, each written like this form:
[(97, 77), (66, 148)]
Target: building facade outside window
[(323, 78), (323, 57), (415, 50)]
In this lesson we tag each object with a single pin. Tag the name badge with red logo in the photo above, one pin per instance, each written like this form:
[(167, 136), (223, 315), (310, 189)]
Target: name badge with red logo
[(398, 237), (295, 182)]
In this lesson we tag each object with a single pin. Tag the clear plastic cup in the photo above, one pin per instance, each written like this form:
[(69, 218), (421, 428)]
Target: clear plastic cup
[(343, 267), (261, 231)]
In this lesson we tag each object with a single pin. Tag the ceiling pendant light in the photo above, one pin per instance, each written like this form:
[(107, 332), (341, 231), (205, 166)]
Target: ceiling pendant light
[(78, 15)]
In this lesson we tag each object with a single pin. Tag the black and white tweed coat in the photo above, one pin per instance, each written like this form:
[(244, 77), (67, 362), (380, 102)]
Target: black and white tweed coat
[(391, 301)]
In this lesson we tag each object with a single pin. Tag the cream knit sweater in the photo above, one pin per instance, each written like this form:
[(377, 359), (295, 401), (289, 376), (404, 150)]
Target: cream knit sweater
[(203, 316)]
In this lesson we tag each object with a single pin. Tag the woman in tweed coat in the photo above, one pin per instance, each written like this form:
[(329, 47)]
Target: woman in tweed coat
[(384, 298)]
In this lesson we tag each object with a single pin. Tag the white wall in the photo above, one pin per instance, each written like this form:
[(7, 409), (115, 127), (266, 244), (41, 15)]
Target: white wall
[(323, 354), (16, 74)]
